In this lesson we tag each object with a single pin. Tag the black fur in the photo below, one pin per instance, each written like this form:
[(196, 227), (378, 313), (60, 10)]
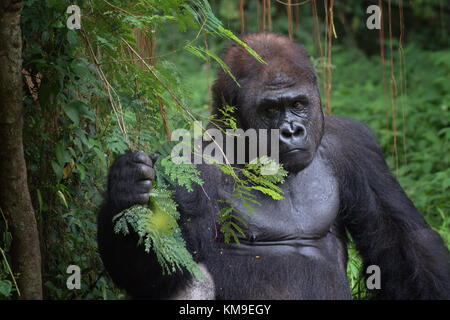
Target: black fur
[(296, 248), (387, 228)]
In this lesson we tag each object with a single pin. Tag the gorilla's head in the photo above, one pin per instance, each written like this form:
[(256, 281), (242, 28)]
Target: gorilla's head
[(281, 94)]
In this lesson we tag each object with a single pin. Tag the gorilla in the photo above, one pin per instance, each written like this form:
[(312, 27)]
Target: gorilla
[(295, 248)]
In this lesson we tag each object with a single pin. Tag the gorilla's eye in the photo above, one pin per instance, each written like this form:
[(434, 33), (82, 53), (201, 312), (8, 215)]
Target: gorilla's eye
[(298, 105), (271, 110)]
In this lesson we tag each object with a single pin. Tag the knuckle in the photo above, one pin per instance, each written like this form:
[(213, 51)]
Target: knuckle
[(143, 198), (145, 185), (141, 157), (146, 171)]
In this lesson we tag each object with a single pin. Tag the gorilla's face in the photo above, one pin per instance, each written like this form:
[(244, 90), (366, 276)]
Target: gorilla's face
[(291, 105), (281, 94)]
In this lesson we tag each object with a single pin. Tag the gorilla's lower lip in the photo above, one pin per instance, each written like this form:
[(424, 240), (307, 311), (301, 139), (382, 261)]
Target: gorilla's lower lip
[(295, 150)]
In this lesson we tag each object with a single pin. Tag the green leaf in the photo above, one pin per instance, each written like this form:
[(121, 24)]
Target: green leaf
[(59, 153), (100, 155), (57, 169), (63, 198), (44, 37), (72, 110), (270, 192), (106, 42), (248, 207), (81, 170), (237, 228), (62, 154), (5, 288), (72, 37)]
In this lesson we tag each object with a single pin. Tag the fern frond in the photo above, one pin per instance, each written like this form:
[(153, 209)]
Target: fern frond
[(179, 174), (158, 230), (253, 179)]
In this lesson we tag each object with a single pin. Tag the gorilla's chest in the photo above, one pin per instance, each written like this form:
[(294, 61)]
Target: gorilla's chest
[(308, 210)]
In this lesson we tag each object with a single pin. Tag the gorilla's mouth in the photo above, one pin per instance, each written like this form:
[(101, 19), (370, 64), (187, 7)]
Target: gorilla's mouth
[(295, 150), (296, 159), (295, 155)]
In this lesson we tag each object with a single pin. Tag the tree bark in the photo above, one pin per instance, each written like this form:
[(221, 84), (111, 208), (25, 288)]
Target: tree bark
[(15, 198)]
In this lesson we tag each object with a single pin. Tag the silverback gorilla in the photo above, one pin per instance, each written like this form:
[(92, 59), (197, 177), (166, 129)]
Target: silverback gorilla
[(294, 248)]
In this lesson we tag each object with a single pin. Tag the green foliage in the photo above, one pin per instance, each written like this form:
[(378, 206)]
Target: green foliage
[(156, 225), (88, 99), (354, 275), (264, 182), (227, 118), (246, 179), (230, 221), (181, 174), (8, 284), (175, 174), (202, 53), (214, 26)]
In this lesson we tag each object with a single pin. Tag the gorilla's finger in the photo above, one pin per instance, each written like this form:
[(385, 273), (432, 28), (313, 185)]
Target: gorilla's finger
[(144, 186), (141, 157), (142, 198), (146, 172)]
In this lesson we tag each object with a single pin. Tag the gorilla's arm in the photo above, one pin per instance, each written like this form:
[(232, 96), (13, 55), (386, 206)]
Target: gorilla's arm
[(386, 227), (131, 268)]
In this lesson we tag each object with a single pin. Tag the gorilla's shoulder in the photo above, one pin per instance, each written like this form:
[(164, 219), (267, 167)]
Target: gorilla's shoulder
[(340, 125), (346, 137)]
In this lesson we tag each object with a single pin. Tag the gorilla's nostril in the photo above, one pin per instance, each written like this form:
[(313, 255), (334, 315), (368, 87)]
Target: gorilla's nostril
[(299, 131), (285, 132), (293, 131)]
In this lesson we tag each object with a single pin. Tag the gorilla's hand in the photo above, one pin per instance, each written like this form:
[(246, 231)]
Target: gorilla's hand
[(130, 180)]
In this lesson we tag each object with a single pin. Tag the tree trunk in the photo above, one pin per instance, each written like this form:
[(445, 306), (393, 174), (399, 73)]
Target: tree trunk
[(15, 198)]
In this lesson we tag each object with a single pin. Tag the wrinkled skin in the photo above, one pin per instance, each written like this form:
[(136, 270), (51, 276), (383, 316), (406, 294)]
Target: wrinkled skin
[(294, 248)]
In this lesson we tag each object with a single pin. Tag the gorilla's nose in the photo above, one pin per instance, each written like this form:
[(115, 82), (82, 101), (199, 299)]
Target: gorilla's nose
[(292, 131)]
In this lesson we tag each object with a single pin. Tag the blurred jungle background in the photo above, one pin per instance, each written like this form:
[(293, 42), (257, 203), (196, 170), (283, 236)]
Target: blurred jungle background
[(129, 75)]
